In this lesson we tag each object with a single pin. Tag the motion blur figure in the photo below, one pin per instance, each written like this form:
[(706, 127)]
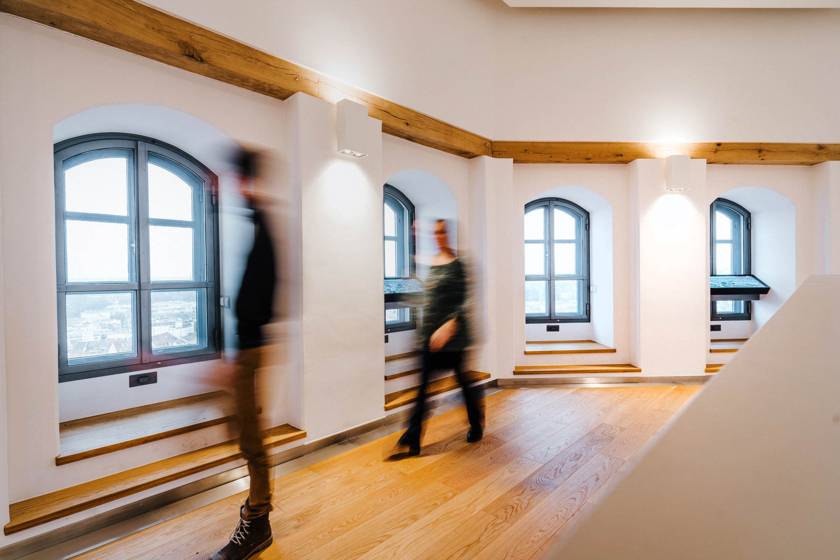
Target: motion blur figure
[(445, 336), (254, 310)]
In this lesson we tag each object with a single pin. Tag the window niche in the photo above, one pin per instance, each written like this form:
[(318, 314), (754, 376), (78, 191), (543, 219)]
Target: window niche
[(137, 256)]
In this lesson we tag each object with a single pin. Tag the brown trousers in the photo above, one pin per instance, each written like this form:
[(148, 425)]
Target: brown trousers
[(250, 434)]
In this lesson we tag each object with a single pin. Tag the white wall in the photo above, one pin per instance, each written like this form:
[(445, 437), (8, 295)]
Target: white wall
[(749, 469), (602, 191), (827, 209), (664, 75), (32, 107), (342, 268), (672, 287)]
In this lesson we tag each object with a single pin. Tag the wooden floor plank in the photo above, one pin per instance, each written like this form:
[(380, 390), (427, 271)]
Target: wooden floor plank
[(548, 454)]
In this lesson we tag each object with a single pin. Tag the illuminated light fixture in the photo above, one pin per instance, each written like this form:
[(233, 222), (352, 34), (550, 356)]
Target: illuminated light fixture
[(350, 126), (677, 173)]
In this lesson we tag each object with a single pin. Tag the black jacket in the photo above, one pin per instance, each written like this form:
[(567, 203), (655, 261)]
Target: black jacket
[(255, 301)]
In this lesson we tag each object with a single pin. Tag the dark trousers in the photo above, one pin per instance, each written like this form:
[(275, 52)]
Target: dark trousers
[(250, 435), (473, 394)]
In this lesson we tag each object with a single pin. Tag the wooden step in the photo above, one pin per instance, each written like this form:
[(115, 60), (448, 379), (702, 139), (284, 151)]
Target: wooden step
[(567, 347), (397, 375), (713, 368), (395, 357), (575, 369), (436, 387), (726, 345), (61, 503), (106, 433)]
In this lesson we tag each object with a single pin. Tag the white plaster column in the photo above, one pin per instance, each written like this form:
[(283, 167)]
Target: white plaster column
[(491, 202), (341, 376), (827, 202), (670, 271)]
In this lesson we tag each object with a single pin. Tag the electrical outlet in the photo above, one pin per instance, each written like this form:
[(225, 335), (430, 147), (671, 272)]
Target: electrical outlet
[(142, 379), (386, 339), (552, 328), (716, 328)]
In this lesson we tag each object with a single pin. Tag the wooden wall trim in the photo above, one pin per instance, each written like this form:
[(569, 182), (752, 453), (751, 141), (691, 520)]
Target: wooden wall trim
[(759, 153), (148, 32)]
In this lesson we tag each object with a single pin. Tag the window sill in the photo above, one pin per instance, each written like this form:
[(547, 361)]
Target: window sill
[(79, 375)]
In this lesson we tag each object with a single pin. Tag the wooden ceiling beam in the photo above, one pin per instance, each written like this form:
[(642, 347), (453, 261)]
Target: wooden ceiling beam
[(742, 153), (143, 30), (134, 27)]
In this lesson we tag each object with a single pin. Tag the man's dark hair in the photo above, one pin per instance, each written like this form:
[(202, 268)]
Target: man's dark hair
[(247, 163)]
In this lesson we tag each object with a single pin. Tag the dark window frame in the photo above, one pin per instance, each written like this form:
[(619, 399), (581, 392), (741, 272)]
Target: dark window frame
[(139, 150), (406, 248), (741, 252), (582, 220)]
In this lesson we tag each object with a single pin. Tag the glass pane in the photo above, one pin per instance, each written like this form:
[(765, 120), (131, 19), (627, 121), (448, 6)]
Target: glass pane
[(535, 224), (397, 316), (723, 258), (536, 299), (725, 306), (100, 325), (171, 251), (390, 221), (566, 296), (535, 259), (98, 186), (390, 258), (565, 225), (170, 197), (723, 226), (565, 258), (175, 318), (97, 251)]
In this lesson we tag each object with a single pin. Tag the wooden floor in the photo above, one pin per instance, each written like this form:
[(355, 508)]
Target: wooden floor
[(546, 455)]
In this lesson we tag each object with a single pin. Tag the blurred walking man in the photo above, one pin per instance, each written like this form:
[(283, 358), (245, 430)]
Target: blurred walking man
[(254, 309)]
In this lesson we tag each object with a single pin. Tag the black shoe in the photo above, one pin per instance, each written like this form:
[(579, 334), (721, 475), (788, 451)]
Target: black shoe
[(250, 538), (474, 435), (407, 446)]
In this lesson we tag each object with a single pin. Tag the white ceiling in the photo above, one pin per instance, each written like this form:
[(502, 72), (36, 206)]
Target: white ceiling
[(673, 3)]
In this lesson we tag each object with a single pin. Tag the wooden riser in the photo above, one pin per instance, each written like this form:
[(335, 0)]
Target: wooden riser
[(575, 369), (436, 387), (61, 503), (107, 433)]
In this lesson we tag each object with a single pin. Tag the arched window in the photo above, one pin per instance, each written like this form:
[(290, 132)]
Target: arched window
[(730, 254), (137, 257), (398, 217), (556, 262)]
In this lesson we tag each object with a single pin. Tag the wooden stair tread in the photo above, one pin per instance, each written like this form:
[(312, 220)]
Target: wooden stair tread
[(573, 369), (397, 375), (403, 356), (67, 501), (713, 368), (436, 387), (726, 345), (567, 347), (106, 433)]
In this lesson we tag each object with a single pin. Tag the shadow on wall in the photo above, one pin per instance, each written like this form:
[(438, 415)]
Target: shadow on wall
[(773, 245), (602, 325)]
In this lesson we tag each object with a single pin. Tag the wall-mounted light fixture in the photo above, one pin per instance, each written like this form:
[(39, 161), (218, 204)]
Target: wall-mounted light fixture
[(351, 119), (677, 173)]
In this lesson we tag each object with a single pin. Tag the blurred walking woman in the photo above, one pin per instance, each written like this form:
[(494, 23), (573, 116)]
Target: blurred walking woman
[(444, 337)]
